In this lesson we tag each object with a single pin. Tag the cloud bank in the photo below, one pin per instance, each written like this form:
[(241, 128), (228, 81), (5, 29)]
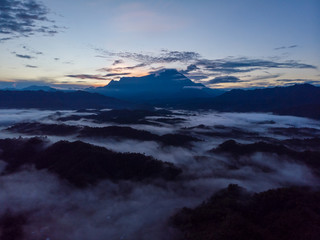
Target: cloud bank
[(25, 18), (196, 67)]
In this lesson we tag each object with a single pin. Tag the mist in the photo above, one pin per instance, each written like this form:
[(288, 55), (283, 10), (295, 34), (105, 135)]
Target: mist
[(55, 209)]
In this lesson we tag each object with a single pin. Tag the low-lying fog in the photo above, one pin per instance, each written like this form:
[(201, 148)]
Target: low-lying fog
[(55, 209)]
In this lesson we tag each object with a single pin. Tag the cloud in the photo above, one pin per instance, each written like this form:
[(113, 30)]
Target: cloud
[(116, 62), (116, 74), (196, 62), (262, 77), (23, 56), (194, 66), (285, 47), (105, 77), (244, 64), (31, 66), (131, 210), (4, 39), (121, 69), (189, 69), (25, 18), (87, 76), (224, 79), (165, 56)]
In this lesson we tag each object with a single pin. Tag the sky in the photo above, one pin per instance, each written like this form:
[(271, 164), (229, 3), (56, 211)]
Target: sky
[(220, 43)]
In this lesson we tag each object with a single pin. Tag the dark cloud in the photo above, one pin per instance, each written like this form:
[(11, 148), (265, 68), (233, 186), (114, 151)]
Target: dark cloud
[(87, 76), (98, 77), (280, 48), (116, 74), (246, 62), (24, 18), (23, 56), (197, 67), (285, 47), (116, 62), (189, 69), (56, 59), (165, 56), (223, 79), (240, 65), (31, 66), (4, 39), (120, 69), (227, 65)]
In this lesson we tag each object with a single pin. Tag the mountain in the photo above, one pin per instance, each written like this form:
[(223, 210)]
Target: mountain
[(32, 88), (165, 86), (60, 100), (298, 100), (39, 88)]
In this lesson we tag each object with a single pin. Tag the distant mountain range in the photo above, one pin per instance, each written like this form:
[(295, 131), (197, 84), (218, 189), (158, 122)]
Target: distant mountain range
[(39, 88), (169, 88), (298, 100), (60, 100), (32, 88), (164, 87)]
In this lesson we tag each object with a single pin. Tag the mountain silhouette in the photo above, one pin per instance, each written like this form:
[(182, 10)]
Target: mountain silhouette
[(298, 100), (39, 88), (60, 100), (165, 86)]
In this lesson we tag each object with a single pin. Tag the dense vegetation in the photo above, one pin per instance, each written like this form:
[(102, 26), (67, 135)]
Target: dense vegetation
[(83, 164), (235, 214), (35, 128)]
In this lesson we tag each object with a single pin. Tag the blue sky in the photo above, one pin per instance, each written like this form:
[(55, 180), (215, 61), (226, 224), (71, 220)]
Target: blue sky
[(222, 44)]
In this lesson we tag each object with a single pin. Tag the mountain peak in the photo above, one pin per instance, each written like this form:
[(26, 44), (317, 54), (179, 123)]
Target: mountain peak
[(162, 84), (162, 80)]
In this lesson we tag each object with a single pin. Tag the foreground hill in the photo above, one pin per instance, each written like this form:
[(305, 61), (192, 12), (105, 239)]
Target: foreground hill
[(83, 164), (234, 213), (59, 100)]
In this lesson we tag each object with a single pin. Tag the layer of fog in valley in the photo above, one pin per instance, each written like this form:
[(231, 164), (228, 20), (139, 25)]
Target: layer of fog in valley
[(201, 152)]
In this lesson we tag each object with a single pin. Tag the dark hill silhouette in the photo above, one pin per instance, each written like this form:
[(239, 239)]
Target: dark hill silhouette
[(122, 116), (117, 132), (298, 100), (83, 164), (234, 213), (60, 100)]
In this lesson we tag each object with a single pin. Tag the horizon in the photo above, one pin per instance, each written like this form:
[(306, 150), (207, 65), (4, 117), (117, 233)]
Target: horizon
[(223, 45), (47, 86)]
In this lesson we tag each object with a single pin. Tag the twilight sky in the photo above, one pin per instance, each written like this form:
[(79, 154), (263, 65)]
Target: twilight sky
[(220, 43)]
